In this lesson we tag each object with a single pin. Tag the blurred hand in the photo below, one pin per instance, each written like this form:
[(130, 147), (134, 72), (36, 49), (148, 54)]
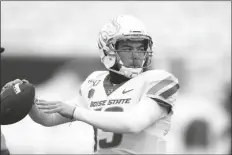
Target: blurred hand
[(51, 107)]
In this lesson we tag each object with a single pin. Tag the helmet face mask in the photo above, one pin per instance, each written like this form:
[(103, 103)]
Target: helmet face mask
[(125, 46), (131, 54)]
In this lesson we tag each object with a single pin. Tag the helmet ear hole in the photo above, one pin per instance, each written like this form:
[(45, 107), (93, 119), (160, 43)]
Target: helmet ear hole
[(105, 53), (109, 61)]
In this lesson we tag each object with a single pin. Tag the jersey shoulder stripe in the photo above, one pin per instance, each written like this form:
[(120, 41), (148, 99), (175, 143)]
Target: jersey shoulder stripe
[(163, 87), (166, 94), (160, 85)]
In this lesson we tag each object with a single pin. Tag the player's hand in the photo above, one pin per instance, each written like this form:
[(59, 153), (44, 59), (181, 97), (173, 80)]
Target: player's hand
[(51, 107)]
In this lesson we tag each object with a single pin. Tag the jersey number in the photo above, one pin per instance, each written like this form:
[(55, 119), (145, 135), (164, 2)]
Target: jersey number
[(116, 138)]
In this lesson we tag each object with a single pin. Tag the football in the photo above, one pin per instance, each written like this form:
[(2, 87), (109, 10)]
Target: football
[(16, 102)]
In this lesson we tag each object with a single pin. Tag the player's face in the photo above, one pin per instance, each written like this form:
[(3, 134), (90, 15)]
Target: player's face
[(131, 53)]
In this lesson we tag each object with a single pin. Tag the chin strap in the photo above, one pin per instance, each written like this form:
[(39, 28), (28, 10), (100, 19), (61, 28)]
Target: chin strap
[(110, 60), (127, 72), (130, 72)]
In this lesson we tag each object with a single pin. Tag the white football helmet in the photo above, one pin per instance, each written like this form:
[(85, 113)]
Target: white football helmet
[(123, 27)]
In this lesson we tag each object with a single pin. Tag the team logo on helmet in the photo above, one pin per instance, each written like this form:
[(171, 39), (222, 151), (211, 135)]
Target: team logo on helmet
[(108, 31)]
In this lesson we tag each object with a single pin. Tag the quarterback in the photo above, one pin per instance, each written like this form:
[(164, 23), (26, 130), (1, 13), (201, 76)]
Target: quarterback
[(129, 106)]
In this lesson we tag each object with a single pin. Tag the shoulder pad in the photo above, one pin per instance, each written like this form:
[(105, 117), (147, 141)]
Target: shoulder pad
[(163, 86), (96, 74), (158, 75), (92, 80)]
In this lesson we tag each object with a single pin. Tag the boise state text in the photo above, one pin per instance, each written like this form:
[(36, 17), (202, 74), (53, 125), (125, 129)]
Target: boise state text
[(110, 102)]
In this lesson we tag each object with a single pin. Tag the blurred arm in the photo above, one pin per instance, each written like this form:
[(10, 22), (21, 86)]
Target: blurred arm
[(3, 142)]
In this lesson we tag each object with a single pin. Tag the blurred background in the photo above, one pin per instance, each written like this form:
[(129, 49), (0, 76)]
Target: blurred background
[(53, 45)]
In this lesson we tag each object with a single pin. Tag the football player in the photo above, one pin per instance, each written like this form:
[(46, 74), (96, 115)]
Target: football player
[(129, 106), (4, 149)]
